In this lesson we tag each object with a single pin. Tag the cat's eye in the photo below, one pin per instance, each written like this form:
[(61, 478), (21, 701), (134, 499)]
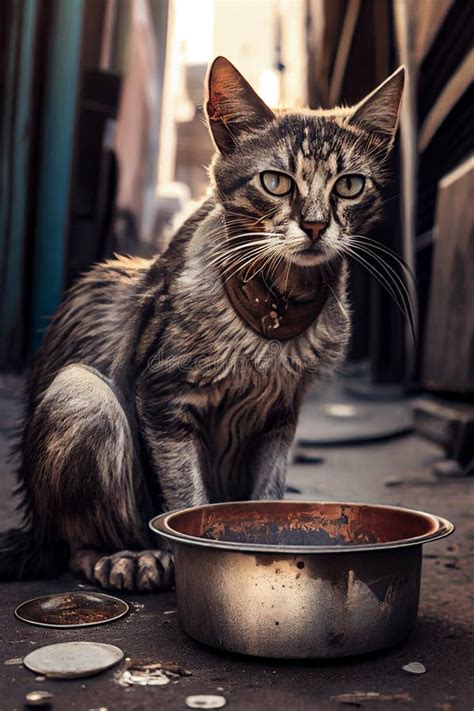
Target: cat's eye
[(349, 186), (276, 183)]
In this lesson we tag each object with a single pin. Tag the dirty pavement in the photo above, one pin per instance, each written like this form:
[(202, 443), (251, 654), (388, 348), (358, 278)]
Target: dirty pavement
[(432, 670)]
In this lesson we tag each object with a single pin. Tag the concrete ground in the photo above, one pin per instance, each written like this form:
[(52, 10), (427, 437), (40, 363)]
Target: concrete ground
[(396, 471)]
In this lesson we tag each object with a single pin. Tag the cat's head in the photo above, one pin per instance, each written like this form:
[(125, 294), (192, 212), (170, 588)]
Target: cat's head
[(297, 184)]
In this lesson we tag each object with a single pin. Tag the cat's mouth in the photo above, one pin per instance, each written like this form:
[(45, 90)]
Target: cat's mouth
[(311, 255), (316, 248)]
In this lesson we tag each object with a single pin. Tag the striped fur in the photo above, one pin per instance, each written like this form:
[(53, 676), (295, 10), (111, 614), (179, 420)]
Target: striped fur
[(149, 392)]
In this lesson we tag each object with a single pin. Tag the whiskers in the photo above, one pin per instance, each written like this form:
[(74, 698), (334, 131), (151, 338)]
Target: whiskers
[(400, 287), (248, 251)]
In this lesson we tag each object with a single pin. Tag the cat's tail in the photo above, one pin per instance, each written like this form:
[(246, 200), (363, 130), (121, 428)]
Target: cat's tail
[(24, 557)]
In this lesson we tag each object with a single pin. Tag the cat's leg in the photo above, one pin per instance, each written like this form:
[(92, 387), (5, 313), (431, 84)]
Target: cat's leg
[(171, 433), (268, 461), (178, 467), (81, 456)]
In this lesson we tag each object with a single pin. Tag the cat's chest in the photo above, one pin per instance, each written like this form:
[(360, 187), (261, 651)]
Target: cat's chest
[(238, 416), (238, 408), (232, 428)]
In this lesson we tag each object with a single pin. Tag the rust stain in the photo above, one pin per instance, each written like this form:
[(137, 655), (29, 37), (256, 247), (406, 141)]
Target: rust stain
[(291, 523)]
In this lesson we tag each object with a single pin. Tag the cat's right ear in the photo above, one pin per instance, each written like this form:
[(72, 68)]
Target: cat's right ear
[(232, 106), (379, 112)]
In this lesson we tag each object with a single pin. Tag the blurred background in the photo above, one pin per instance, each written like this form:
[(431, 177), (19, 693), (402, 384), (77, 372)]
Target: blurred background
[(103, 144)]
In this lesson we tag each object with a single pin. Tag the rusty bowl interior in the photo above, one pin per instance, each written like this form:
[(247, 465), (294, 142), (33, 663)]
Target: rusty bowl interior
[(71, 609), (299, 525)]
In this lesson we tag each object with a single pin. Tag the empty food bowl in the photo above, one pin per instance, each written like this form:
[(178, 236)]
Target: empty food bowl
[(298, 579)]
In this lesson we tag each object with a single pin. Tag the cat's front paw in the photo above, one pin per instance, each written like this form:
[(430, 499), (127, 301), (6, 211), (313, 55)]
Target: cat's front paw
[(143, 571)]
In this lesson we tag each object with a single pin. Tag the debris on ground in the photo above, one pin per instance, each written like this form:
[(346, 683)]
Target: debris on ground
[(393, 482), (172, 668), (38, 699), (451, 564), (358, 697), (206, 701), (149, 674), (306, 455), (448, 469), (143, 678), (13, 660), (415, 668), (169, 612)]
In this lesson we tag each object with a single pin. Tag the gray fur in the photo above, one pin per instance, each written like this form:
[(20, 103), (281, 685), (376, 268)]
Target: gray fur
[(149, 392)]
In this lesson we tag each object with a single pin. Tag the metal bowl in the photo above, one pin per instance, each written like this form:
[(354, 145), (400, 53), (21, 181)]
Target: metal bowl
[(71, 609), (298, 579)]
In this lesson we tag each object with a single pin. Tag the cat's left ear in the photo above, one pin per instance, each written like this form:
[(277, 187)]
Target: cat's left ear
[(379, 111), (232, 106)]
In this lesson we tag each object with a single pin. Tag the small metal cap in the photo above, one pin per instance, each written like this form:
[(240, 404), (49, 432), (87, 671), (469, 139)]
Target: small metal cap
[(38, 698)]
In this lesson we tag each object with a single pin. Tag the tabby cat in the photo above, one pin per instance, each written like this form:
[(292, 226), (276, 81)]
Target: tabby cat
[(177, 381)]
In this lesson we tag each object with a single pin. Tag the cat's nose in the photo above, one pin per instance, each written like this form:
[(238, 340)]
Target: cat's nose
[(314, 230)]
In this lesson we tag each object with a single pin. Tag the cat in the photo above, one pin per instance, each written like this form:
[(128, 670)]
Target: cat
[(177, 381)]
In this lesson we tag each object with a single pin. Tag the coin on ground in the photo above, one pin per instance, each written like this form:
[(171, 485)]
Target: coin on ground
[(206, 701), (72, 609), (72, 659)]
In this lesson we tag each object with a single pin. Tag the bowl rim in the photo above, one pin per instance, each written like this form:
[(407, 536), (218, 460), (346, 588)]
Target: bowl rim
[(125, 608), (161, 525)]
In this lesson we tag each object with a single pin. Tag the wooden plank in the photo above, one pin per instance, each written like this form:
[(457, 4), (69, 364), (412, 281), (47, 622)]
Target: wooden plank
[(382, 44), (429, 16), (451, 93), (448, 350), (450, 424), (318, 82), (344, 47), (409, 158)]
